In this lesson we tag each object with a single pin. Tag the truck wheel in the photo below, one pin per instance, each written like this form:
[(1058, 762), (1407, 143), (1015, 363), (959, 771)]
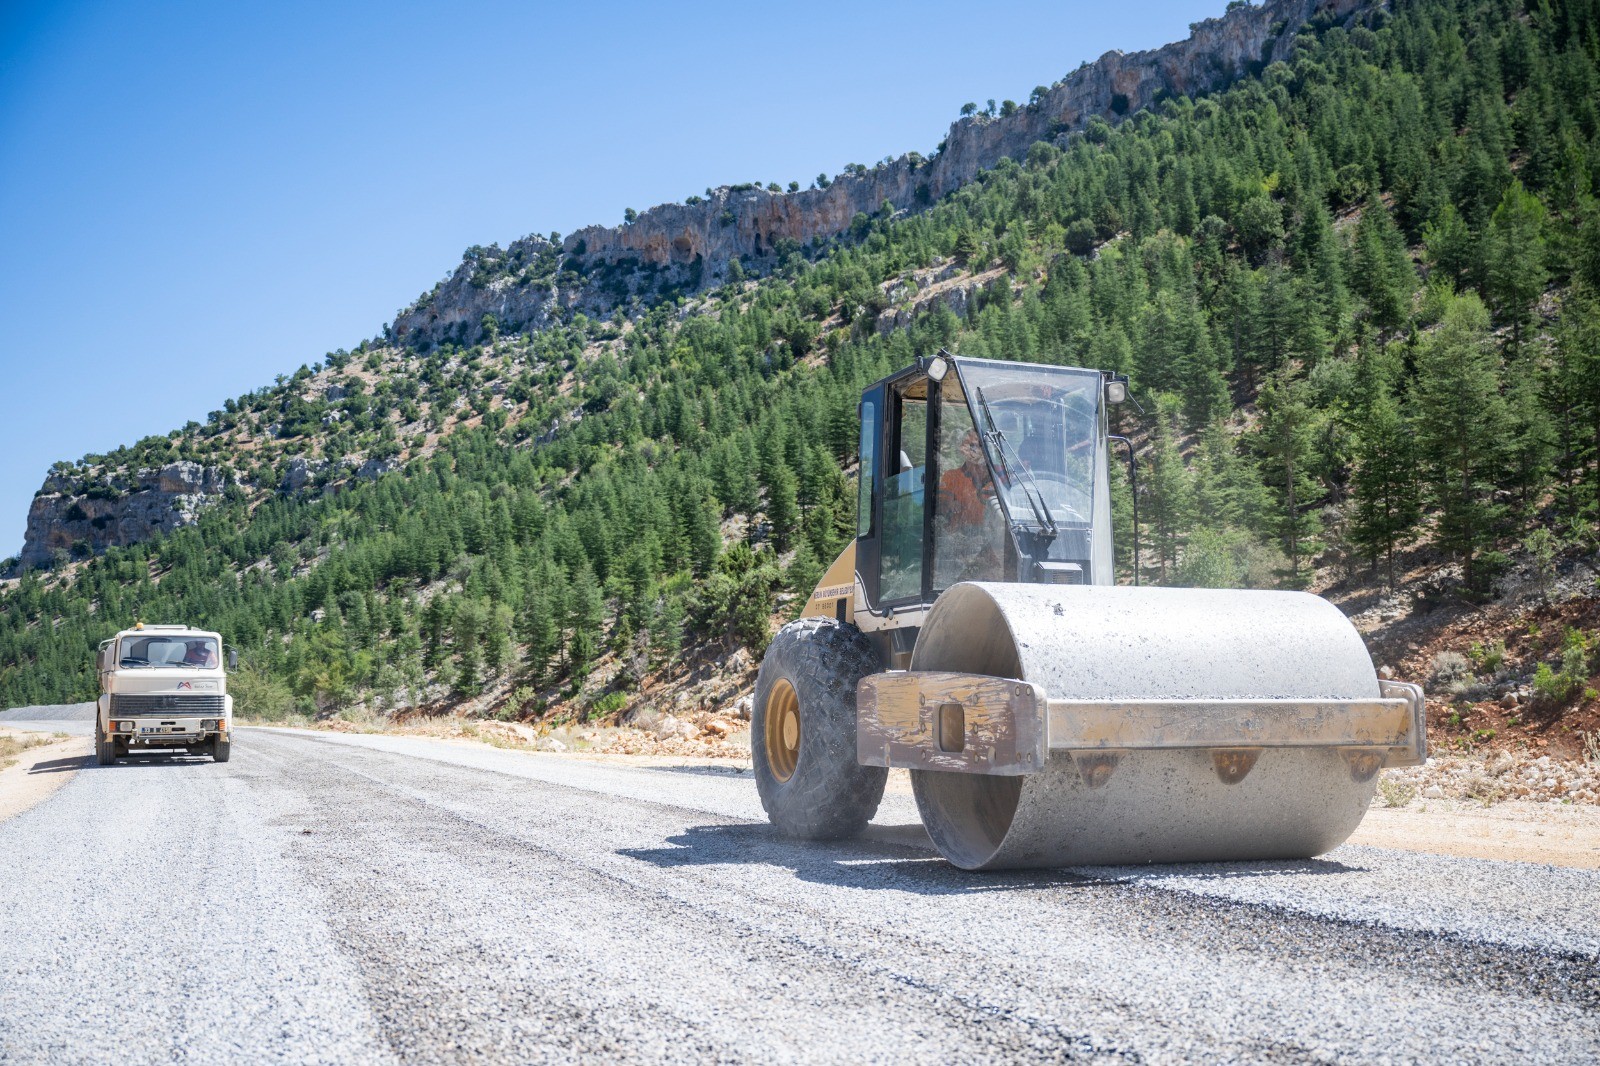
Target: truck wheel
[(105, 751), (803, 731), (220, 749)]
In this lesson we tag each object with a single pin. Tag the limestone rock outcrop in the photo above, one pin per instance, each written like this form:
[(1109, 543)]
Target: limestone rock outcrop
[(693, 243), (300, 473), (373, 469), (746, 222), (456, 308), (63, 518)]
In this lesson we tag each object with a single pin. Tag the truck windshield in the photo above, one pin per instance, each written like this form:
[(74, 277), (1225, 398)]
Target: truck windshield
[(1039, 425), (183, 652)]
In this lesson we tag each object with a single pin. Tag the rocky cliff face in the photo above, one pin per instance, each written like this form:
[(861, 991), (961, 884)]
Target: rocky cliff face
[(746, 223), (697, 241), (62, 517), (484, 284)]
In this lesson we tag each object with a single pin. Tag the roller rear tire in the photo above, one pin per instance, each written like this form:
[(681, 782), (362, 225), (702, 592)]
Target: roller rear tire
[(803, 731)]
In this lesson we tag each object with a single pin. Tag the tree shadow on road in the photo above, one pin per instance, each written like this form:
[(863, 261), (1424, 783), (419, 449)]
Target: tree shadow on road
[(901, 858)]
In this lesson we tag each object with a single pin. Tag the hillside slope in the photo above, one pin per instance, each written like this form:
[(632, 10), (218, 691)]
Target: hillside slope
[(1357, 295)]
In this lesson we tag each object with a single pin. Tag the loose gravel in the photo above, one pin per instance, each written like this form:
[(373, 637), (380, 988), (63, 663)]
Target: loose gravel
[(151, 914), (1495, 777), (357, 897)]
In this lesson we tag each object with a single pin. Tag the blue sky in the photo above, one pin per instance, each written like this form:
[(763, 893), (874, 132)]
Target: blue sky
[(196, 197)]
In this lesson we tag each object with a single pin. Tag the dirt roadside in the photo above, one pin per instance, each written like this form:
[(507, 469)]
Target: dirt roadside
[(38, 771), (1514, 831)]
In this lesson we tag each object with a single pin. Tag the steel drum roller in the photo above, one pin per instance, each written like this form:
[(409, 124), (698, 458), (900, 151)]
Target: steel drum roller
[(1088, 643)]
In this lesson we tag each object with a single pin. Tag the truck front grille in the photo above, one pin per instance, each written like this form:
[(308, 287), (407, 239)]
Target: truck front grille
[(166, 705)]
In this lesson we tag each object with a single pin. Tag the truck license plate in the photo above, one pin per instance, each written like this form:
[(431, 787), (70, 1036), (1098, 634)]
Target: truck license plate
[(159, 729)]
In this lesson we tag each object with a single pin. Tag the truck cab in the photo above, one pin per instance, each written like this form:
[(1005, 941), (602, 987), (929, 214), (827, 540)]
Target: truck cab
[(164, 687)]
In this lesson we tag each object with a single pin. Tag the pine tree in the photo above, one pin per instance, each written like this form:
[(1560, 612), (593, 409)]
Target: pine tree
[(585, 617), (466, 633), (1382, 272), (1322, 262), (1229, 493), (435, 620), (1384, 483), (540, 634), (497, 639), (666, 628), (1449, 244), (1514, 254), (1573, 391), (1461, 424), (783, 510), (704, 533), (1287, 439), (1166, 509)]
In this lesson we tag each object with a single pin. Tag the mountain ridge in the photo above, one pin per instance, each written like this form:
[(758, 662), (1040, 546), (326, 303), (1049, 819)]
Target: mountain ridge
[(693, 243)]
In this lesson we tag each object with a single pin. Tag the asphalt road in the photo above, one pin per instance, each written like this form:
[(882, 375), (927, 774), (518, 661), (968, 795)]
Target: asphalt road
[(349, 898)]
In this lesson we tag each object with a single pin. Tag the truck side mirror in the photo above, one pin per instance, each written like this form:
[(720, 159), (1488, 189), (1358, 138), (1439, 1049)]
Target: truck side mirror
[(233, 658)]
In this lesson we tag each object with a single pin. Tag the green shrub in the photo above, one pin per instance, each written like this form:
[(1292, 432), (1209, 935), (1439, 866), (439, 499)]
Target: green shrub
[(1488, 658), (1557, 686), (610, 703), (259, 695)]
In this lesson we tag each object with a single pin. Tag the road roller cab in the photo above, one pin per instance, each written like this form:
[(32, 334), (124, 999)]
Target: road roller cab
[(972, 470), (973, 634)]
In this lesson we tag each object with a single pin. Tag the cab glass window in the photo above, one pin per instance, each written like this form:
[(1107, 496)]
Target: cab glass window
[(903, 499), (969, 530), (867, 468), (163, 651)]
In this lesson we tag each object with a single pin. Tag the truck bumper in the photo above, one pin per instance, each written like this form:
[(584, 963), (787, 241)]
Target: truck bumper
[(167, 732)]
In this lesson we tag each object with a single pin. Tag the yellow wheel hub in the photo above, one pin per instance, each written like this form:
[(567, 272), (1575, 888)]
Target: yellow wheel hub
[(782, 730)]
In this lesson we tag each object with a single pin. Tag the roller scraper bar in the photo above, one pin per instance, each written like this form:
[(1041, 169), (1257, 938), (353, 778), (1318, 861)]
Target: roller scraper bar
[(971, 723)]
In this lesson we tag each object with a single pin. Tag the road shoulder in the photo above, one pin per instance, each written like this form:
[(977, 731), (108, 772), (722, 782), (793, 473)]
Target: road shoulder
[(1513, 831), (38, 772)]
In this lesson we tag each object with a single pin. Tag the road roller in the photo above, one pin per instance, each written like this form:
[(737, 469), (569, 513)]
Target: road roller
[(974, 634)]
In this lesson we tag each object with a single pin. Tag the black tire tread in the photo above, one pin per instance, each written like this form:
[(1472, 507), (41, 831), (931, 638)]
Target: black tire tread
[(830, 796)]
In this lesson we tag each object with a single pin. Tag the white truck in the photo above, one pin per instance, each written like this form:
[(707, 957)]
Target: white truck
[(164, 687)]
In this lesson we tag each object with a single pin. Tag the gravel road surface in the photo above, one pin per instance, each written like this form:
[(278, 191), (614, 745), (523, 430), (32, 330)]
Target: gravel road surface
[(366, 898), (76, 719)]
